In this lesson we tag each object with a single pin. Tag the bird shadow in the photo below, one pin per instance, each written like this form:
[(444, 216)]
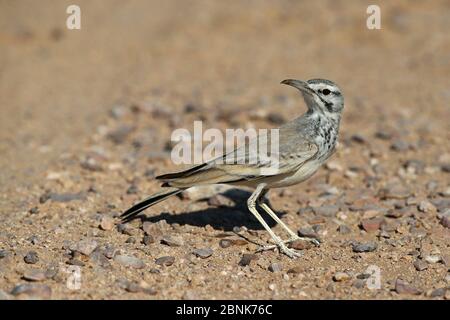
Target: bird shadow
[(223, 218)]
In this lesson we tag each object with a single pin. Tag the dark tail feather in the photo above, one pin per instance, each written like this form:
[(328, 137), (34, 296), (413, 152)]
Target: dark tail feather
[(154, 199), (182, 174)]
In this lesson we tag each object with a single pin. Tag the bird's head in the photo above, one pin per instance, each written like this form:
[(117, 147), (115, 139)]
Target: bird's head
[(320, 95)]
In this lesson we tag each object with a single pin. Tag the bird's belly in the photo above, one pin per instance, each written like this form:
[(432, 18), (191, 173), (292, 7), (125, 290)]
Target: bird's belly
[(302, 174)]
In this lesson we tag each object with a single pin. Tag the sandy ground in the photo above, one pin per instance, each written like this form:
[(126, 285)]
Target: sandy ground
[(86, 122)]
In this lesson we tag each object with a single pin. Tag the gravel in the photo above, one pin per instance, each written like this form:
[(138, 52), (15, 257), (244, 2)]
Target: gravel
[(372, 225), (172, 241), (365, 247), (275, 267), (85, 247), (246, 259), (34, 275), (165, 261), (203, 252), (403, 287), (148, 239), (129, 261), (326, 210), (341, 276), (32, 291), (107, 223), (308, 233), (420, 265), (31, 257)]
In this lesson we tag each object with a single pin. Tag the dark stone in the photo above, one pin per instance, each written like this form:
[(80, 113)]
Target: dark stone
[(246, 259), (31, 257)]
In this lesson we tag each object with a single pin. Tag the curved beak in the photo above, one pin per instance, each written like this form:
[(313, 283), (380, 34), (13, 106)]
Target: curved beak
[(300, 85)]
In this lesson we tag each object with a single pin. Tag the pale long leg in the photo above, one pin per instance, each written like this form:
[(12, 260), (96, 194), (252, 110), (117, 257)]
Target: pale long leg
[(251, 203), (292, 234)]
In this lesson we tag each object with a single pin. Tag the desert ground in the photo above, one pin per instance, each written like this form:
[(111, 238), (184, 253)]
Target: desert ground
[(86, 124)]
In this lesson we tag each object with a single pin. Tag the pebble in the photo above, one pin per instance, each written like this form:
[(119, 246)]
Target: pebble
[(100, 259), (365, 247), (344, 229), (120, 134), (420, 265), (66, 197), (341, 276), (403, 287), (109, 251), (372, 225), (76, 262), (132, 189), (359, 283), (275, 267), (358, 138), (203, 252), (33, 239), (165, 261), (3, 254), (32, 291), (308, 233), (4, 295), (131, 240), (326, 210), (383, 135), (126, 229), (246, 259), (129, 261), (400, 145), (85, 247), (31, 257), (107, 223), (445, 220), (426, 207), (34, 275), (91, 164), (296, 270), (152, 229), (440, 292), (225, 243), (396, 191), (417, 166), (141, 286), (300, 245), (148, 239), (172, 241), (432, 259)]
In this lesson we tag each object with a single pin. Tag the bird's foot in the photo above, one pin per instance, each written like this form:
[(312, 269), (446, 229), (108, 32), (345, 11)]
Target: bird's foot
[(312, 240), (291, 253), (284, 249)]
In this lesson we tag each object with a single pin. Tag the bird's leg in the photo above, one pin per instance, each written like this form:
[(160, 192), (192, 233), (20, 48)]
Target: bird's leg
[(251, 203), (292, 234)]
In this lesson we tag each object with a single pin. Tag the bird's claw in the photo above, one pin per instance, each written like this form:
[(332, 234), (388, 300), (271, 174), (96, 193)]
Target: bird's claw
[(287, 251)]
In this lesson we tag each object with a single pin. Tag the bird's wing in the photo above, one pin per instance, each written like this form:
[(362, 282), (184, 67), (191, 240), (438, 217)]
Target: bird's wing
[(250, 162)]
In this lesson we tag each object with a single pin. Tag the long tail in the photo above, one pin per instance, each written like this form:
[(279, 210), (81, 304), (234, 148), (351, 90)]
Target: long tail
[(144, 204)]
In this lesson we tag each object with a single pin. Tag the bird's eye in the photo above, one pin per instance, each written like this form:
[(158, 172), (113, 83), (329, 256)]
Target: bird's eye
[(326, 92)]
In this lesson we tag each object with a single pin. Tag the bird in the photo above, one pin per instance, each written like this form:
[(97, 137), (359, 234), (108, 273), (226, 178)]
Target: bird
[(304, 144)]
